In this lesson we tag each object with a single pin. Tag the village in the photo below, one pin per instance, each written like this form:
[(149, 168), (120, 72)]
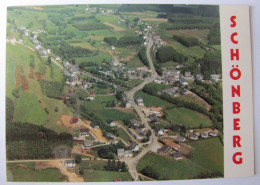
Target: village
[(116, 111)]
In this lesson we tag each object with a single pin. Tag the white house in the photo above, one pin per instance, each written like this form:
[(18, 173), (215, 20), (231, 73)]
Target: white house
[(69, 163), (111, 123)]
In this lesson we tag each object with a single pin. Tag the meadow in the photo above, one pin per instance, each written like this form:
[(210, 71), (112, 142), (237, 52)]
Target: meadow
[(25, 172), (188, 118), (169, 168)]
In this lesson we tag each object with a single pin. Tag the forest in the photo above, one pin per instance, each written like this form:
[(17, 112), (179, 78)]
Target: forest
[(29, 141)]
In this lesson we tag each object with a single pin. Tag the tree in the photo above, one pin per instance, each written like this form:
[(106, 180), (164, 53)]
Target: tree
[(123, 167), (56, 109), (81, 171), (49, 60), (78, 159), (32, 63), (150, 172)]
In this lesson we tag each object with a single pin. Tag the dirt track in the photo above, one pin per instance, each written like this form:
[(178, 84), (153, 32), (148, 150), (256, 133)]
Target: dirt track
[(72, 176)]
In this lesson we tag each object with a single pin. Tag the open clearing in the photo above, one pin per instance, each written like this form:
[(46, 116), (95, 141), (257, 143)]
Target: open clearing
[(169, 168), (188, 118), (26, 172), (209, 154), (201, 35), (105, 176), (28, 109), (116, 28)]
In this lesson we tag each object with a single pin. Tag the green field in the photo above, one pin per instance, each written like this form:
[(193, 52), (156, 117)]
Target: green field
[(98, 108), (170, 169), (123, 135), (105, 176), (209, 154), (188, 118), (25, 172), (150, 100), (134, 82), (28, 109)]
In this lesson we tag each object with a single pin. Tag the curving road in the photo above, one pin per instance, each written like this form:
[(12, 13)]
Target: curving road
[(132, 163)]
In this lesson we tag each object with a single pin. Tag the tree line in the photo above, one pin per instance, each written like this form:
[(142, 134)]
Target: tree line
[(142, 56), (29, 141), (165, 54)]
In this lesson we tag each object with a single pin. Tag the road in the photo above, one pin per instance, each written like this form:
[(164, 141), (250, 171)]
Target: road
[(132, 163)]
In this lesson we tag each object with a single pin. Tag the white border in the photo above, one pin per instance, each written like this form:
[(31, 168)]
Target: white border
[(255, 14)]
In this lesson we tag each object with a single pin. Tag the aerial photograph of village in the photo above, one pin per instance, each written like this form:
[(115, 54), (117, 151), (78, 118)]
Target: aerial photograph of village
[(113, 92)]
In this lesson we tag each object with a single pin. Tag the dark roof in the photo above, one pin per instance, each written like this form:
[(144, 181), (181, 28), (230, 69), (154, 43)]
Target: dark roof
[(132, 146), (165, 149), (74, 120), (154, 118), (84, 130), (93, 124), (109, 121), (177, 155)]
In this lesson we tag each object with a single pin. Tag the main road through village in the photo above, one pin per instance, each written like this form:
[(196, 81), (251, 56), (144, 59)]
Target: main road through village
[(132, 162)]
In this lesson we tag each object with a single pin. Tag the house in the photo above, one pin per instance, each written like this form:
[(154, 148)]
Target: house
[(128, 153), (94, 125), (154, 118), (165, 150), (58, 59), (134, 122), (114, 62), (180, 139), (212, 133), (38, 46), (177, 156), (88, 143), (171, 92), (171, 144), (183, 81), (199, 77), (120, 152), (20, 41), (194, 137), (91, 96), (109, 136), (74, 120), (158, 131), (204, 135), (157, 80), (184, 91), (113, 47), (134, 147), (139, 101), (69, 163), (84, 132), (134, 134), (215, 78), (111, 123)]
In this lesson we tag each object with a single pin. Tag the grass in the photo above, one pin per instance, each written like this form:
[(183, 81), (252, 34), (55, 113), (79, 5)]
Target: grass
[(188, 118), (170, 169), (96, 59), (98, 108), (134, 82), (209, 154), (150, 100), (105, 176), (123, 135), (26, 173), (194, 99), (28, 109), (201, 35)]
